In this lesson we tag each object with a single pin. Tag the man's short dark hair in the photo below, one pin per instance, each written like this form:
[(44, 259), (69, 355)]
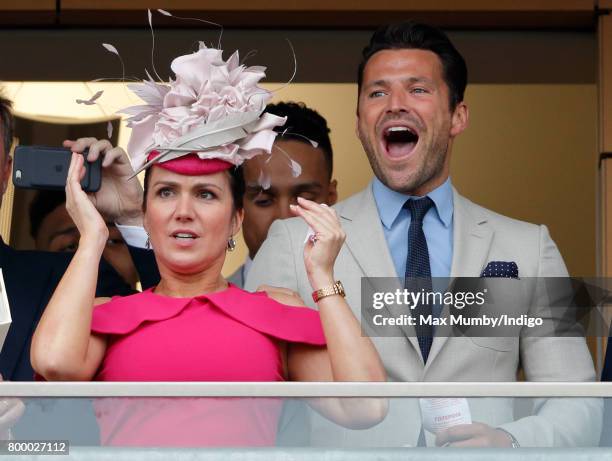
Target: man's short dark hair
[(304, 124), (6, 124), (412, 35), (43, 204)]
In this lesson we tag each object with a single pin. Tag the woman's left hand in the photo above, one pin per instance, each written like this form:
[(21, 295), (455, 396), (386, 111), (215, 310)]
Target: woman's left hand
[(320, 252)]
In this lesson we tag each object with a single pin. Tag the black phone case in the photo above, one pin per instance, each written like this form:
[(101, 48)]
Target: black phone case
[(39, 167)]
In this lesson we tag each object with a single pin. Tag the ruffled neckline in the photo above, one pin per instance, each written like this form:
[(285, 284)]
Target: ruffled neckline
[(123, 315)]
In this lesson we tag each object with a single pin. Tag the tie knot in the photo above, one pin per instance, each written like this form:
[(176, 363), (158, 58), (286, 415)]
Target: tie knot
[(419, 207)]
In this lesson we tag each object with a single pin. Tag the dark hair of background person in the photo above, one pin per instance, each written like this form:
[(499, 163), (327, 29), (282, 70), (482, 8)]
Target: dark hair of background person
[(302, 123), (43, 204), (236, 183), (6, 123), (412, 35)]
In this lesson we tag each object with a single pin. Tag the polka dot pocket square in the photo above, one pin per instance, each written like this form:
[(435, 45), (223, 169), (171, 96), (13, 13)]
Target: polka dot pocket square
[(503, 269)]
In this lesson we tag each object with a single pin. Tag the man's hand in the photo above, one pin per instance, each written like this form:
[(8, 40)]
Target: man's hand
[(118, 199), (472, 435)]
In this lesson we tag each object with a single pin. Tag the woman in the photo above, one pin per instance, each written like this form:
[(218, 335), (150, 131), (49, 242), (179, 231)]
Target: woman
[(194, 326)]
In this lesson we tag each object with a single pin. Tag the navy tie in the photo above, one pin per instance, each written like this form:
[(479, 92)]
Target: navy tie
[(418, 271)]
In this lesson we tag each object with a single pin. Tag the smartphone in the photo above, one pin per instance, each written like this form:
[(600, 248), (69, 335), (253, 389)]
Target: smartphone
[(40, 167)]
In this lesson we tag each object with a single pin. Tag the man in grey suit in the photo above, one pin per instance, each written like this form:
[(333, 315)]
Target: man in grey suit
[(411, 222)]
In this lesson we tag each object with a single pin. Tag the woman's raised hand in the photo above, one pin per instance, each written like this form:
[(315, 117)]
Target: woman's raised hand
[(119, 198), (322, 249)]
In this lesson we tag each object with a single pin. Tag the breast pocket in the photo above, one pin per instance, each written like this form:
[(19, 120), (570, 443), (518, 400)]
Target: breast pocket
[(498, 357), (501, 344)]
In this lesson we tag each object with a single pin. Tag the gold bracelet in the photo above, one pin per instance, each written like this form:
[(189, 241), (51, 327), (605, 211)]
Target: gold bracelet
[(335, 289)]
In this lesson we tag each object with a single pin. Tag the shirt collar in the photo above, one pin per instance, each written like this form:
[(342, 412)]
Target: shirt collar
[(390, 202)]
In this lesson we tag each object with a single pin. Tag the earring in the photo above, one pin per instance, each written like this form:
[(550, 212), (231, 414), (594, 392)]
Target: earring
[(148, 242), (231, 244)]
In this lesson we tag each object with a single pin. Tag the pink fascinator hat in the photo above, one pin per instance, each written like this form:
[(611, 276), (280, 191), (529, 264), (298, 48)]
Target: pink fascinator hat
[(213, 110)]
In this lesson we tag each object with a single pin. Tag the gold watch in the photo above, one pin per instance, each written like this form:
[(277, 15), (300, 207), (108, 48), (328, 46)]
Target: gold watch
[(335, 289)]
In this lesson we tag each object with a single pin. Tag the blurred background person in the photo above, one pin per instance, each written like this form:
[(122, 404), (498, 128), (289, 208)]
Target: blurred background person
[(53, 230), (305, 128)]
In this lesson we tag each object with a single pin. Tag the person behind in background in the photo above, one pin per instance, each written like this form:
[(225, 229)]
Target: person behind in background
[(303, 139), (53, 230)]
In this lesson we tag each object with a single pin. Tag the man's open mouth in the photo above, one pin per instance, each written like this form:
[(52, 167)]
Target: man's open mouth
[(399, 140)]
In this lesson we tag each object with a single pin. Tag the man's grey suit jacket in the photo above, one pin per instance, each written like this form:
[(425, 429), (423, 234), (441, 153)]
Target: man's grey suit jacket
[(237, 278), (479, 236)]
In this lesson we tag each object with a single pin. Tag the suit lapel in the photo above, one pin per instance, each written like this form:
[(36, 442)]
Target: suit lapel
[(364, 236), (365, 240), (472, 237)]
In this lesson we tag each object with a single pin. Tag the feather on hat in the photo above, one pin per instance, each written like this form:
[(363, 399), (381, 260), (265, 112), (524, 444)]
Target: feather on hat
[(213, 108)]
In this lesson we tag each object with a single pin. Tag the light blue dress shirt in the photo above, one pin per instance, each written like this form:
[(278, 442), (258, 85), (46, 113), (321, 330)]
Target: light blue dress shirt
[(437, 226)]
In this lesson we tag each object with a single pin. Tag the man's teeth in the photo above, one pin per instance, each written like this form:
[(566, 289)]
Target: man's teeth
[(398, 128)]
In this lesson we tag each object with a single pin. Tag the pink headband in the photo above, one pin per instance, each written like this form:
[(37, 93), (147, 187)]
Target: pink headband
[(191, 164)]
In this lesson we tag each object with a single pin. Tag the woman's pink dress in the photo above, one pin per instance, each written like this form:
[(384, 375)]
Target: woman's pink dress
[(230, 335)]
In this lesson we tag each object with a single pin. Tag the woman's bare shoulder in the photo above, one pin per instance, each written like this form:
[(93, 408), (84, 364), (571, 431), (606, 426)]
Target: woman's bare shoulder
[(283, 295), (98, 301)]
